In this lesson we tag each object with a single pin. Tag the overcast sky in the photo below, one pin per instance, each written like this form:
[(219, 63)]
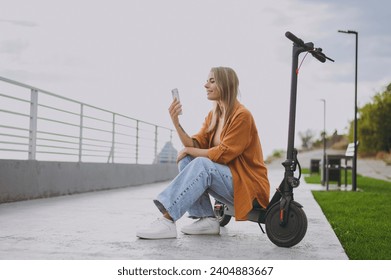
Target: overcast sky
[(127, 55)]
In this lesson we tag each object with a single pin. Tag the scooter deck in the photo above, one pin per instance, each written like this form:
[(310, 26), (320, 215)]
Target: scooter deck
[(257, 214)]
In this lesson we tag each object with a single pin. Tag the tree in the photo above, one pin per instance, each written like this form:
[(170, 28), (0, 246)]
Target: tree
[(374, 124), (306, 138)]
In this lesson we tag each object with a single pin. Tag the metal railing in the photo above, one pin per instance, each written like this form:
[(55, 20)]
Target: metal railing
[(36, 124)]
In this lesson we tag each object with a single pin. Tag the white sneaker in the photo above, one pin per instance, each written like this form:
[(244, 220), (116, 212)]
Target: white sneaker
[(162, 228), (203, 226)]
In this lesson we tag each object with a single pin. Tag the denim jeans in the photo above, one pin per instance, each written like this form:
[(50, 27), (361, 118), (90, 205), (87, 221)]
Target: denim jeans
[(189, 191)]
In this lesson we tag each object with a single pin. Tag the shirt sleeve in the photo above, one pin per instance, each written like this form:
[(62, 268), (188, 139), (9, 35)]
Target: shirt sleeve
[(235, 140)]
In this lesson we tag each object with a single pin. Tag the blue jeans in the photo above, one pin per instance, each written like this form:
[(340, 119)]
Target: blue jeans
[(189, 191)]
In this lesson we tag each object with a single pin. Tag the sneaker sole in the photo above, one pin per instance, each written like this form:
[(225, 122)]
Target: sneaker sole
[(151, 237), (206, 232)]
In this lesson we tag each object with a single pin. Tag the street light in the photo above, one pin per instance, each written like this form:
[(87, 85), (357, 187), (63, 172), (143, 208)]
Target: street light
[(354, 167), (324, 140)]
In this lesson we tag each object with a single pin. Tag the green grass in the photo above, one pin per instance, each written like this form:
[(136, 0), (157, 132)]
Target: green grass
[(360, 219)]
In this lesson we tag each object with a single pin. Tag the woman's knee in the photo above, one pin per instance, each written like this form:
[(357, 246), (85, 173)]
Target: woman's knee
[(184, 162), (202, 162)]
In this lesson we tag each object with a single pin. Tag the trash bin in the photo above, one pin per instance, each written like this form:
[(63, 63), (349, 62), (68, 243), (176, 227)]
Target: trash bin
[(334, 170), (314, 165)]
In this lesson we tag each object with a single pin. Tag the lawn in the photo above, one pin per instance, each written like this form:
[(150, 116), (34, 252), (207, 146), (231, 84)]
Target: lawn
[(360, 219)]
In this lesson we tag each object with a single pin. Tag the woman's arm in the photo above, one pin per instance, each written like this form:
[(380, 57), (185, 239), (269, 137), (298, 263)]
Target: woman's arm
[(174, 111), (194, 152)]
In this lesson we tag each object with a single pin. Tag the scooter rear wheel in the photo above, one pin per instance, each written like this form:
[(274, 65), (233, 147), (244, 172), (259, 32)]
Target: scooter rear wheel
[(290, 234), (220, 214)]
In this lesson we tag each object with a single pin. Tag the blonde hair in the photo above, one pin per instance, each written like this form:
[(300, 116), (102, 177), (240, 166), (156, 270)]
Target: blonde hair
[(227, 83)]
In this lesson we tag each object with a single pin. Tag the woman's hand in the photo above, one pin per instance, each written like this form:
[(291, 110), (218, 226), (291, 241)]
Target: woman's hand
[(174, 110), (181, 154)]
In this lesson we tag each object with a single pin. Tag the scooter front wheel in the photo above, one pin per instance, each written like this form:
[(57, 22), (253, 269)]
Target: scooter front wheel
[(292, 232)]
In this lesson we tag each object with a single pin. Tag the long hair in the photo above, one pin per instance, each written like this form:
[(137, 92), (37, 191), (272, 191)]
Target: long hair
[(227, 83)]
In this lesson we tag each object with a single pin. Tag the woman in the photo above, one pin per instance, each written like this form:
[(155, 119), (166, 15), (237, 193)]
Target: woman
[(224, 160)]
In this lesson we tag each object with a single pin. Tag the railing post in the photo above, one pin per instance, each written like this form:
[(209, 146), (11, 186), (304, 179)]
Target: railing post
[(156, 141), (113, 140), (81, 132), (33, 124), (137, 139)]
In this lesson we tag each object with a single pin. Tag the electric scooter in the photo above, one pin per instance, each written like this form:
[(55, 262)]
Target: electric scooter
[(285, 221)]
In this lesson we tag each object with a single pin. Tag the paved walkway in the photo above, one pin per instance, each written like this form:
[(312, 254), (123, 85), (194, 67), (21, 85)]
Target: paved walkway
[(102, 225)]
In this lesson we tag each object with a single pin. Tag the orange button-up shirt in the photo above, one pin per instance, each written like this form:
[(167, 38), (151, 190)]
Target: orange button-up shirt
[(240, 149)]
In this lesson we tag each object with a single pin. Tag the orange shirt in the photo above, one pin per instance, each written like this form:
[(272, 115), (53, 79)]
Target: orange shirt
[(240, 149)]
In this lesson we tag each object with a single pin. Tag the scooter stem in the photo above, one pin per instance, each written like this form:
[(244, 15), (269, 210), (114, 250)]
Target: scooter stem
[(296, 50)]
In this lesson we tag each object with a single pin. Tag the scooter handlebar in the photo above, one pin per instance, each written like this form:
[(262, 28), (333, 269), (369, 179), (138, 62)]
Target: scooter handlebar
[(296, 40), (317, 53)]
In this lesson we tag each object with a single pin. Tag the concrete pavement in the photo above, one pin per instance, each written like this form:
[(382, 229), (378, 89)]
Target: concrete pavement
[(102, 225)]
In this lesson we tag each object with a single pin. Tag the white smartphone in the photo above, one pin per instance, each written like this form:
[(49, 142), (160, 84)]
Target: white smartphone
[(175, 95)]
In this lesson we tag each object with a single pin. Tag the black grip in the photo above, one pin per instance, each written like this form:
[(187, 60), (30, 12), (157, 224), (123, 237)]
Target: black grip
[(319, 56), (294, 39)]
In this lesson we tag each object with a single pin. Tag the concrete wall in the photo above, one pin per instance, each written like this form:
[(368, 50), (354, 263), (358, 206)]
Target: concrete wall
[(27, 179)]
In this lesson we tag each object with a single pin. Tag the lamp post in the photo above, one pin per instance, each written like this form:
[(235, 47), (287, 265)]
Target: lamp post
[(324, 140), (354, 167)]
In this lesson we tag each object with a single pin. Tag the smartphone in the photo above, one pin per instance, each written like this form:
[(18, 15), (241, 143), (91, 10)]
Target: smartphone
[(175, 95)]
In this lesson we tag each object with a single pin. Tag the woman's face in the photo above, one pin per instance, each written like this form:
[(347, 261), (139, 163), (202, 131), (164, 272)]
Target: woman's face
[(211, 88)]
